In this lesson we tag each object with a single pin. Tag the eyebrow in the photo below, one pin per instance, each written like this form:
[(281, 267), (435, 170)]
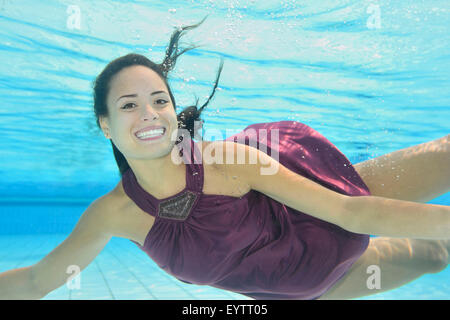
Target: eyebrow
[(135, 95)]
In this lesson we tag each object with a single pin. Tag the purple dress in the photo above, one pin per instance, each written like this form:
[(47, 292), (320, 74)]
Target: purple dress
[(254, 245)]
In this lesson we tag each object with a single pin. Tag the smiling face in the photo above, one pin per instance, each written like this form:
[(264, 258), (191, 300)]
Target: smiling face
[(138, 100)]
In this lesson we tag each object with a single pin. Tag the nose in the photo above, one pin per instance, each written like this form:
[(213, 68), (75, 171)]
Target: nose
[(148, 112)]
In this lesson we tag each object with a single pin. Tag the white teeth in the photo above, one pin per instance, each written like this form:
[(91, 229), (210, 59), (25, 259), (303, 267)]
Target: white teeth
[(150, 133)]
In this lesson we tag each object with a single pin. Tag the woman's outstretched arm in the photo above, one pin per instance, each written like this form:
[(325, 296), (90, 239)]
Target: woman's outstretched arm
[(418, 173), (90, 235), (360, 214)]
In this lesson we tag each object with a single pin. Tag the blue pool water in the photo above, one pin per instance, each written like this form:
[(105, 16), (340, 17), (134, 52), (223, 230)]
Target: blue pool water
[(371, 76)]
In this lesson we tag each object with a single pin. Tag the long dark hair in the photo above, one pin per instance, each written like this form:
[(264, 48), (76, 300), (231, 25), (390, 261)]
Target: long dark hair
[(186, 118)]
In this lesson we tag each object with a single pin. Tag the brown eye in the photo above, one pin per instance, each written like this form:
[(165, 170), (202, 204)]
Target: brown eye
[(128, 104), (165, 101)]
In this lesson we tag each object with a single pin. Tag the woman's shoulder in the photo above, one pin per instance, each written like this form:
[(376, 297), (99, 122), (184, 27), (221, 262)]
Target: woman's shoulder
[(220, 176), (109, 203), (117, 197), (124, 217), (102, 212)]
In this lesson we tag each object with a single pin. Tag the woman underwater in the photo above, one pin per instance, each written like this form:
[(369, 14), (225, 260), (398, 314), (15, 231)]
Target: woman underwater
[(301, 232)]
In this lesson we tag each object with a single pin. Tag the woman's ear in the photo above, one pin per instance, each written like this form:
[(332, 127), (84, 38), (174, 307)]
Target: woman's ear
[(104, 125)]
